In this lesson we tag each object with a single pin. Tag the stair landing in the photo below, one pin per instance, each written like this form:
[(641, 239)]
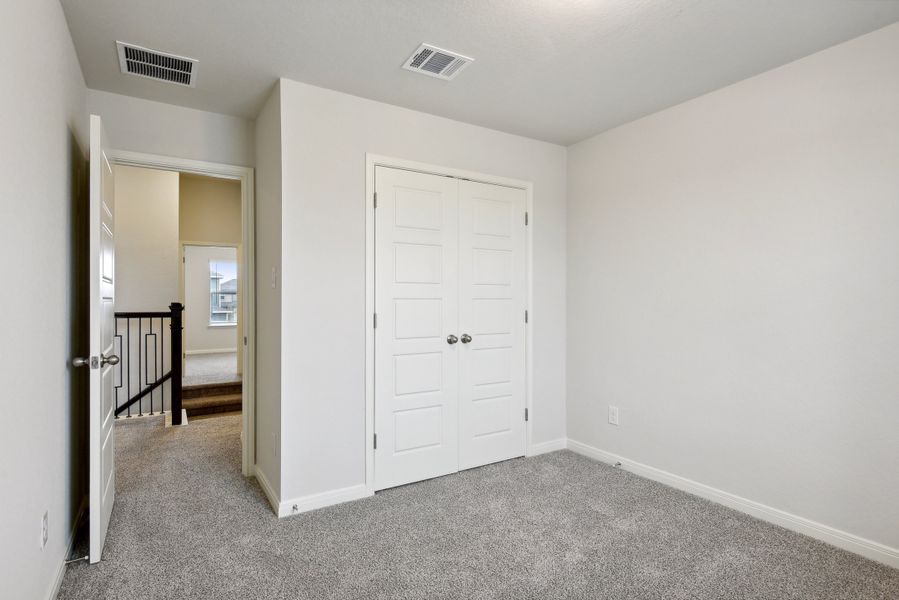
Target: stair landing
[(211, 398)]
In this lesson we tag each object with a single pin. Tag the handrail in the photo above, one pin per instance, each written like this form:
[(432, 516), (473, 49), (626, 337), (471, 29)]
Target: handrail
[(151, 342), (143, 315), (143, 393)]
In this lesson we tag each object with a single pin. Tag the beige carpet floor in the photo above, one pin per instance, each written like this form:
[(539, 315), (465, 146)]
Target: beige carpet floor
[(220, 367)]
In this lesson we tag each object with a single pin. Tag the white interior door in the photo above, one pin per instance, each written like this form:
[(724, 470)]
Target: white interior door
[(492, 303), (101, 359), (416, 366)]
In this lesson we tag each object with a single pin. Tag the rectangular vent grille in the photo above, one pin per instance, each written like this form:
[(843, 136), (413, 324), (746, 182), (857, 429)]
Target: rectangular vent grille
[(436, 62), (153, 64)]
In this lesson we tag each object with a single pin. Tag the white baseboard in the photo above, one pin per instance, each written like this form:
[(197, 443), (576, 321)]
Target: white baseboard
[(314, 501), (835, 537), (211, 351), (124, 420), (168, 418), (550, 446), (267, 488), (70, 547)]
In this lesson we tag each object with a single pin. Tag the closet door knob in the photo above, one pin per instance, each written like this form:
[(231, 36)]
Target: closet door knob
[(451, 339), (466, 338)]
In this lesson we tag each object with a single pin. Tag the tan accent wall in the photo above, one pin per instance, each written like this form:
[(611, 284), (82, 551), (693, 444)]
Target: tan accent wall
[(209, 210)]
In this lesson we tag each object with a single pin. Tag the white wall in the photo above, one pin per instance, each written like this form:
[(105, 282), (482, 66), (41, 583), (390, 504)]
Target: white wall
[(268, 295), (146, 275), (733, 286), (325, 136), (199, 335), (157, 128), (43, 179), (209, 212), (146, 222)]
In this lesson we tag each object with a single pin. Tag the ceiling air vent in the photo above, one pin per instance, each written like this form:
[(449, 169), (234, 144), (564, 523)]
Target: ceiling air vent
[(435, 62), (153, 64)]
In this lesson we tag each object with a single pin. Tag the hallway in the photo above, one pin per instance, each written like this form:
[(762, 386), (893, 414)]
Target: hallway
[(163, 527), (200, 369)]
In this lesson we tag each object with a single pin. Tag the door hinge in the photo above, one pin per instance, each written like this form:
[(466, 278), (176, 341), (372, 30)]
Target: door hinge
[(375, 320), (525, 316), (525, 414), (525, 218), (244, 340), (376, 441), (376, 199)]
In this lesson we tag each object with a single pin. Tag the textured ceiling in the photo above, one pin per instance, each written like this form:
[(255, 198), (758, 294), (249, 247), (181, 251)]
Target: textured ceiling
[(556, 70)]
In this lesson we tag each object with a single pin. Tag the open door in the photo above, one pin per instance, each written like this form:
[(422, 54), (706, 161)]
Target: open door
[(102, 320)]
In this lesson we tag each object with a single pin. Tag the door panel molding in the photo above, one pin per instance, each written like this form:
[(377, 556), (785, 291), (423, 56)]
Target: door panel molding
[(489, 222), (492, 367), (417, 387)]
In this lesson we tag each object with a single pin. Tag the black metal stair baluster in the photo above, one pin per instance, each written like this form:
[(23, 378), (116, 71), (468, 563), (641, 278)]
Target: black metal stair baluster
[(140, 385), (121, 366), (128, 321), (146, 387), (155, 359), (147, 360), (115, 333), (162, 357), (152, 396)]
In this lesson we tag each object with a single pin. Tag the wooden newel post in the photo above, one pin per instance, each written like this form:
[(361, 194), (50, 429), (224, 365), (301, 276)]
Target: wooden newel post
[(177, 360)]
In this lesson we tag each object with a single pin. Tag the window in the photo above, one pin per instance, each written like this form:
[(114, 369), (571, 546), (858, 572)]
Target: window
[(222, 292)]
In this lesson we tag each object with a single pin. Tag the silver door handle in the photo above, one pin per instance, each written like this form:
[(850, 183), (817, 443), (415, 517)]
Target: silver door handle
[(451, 339), (466, 338), (112, 359)]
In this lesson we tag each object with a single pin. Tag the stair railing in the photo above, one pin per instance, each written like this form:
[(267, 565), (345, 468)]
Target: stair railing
[(143, 347)]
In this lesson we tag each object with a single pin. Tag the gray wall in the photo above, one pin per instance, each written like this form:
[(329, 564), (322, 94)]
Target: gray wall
[(156, 128), (43, 174), (325, 137), (733, 287), (268, 294)]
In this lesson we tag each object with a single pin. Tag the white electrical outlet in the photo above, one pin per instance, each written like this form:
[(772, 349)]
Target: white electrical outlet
[(45, 529), (613, 415)]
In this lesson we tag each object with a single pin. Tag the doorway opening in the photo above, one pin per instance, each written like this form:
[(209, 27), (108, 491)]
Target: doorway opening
[(184, 239), (211, 297)]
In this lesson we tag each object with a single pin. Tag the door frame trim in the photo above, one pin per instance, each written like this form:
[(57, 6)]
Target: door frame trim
[(376, 160), (245, 175)]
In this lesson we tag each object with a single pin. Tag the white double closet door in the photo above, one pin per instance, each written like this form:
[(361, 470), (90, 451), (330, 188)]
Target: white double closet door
[(450, 300)]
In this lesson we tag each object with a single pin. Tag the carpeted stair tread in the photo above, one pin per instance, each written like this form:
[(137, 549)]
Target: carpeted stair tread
[(211, 389), (211, 404)]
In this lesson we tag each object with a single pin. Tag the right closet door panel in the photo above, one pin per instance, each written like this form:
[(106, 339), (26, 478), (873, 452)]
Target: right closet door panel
[(492, 303)]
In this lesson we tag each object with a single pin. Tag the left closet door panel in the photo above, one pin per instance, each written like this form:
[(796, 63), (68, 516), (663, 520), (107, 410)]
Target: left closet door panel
[(416, 301)]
